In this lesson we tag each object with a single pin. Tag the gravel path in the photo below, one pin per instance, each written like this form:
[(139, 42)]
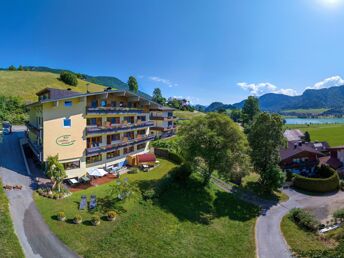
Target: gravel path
[(34, 235)]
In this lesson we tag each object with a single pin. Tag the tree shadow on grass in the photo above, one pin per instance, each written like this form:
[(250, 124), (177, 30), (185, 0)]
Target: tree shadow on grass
[(194, 202)]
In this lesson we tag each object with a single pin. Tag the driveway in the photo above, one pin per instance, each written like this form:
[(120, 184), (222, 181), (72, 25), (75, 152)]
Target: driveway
[(270, 241), (34, 235)]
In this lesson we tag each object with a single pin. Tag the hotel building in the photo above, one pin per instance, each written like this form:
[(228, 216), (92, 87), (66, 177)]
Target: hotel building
[(164, 121), (89, 130)]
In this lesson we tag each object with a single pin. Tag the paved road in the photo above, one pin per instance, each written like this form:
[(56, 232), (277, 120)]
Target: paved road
[(34, 235), (270, 241)]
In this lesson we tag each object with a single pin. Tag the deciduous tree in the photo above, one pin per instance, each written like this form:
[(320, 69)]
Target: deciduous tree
[(215, 143), (266, 139), (250, 110), (56, 172), (133, 85), (69, 78), (157, 96)]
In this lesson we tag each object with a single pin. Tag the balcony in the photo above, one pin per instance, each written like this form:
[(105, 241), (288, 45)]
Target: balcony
[(33, 128), (301, 165), (116, 128), (163, 129), (112, 110), (162, 118), (116, 146)]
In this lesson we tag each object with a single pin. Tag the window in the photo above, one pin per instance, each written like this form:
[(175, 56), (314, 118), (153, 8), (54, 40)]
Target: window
[(113, 104), (129, 135), (128, 149), (67, 123), (113, 120), (103, 103), (142, 118), (141, 132), (170, 114), (94, 103), (129, 119), (141, 146), (112, 154), (68, 103), (94, 159), (91, 121), (71, 165)]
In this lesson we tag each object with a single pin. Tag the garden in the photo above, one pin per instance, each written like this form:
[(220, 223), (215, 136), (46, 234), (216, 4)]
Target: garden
[(307, 237), (167, 215)]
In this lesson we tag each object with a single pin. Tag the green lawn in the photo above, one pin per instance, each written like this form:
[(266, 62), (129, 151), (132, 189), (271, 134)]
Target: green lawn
[(9, 244), (26, 83), (300, 240), (171, 227), (332, 133), (250, 183)]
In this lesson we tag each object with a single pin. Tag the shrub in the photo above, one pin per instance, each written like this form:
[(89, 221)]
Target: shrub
[(77, 219), (168, 154), (304, 219), (321, 185), (133, 171), (95, 220), (61, 216), (174, 157), (69, 78), (206, 218), (40, 191), (339, 214), (341, 185), (149, 194), (111, 215)]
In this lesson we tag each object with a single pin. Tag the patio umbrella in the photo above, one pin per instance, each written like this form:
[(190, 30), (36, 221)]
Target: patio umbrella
[(97, 172)]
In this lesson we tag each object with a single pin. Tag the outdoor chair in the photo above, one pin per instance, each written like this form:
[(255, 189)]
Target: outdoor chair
[(83, 203), (93, 202)]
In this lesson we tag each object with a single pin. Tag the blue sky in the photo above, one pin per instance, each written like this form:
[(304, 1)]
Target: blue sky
[(204, 50)]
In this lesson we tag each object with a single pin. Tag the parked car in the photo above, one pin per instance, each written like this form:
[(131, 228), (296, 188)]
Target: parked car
[(7, 127)]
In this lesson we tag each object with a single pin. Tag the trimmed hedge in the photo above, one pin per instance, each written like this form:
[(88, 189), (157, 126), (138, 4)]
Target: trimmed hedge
[(171, 156), (320, 185)]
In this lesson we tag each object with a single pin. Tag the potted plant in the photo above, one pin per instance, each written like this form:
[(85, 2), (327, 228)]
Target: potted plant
[(95, 220), (77, 219), (111, 215), (61, 216)]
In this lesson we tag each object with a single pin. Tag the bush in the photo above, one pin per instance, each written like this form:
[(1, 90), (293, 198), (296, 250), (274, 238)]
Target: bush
[(320, 185), (77, 219), (95, 220), (167, 154), (111, 215), (304, 219), (61, 216), (149, 194), (341, 185), (133, 171), (174, 157), (69, 78), (206, 218), (339, 214)]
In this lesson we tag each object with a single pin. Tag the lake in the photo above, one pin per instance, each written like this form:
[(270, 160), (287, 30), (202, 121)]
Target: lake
[(302, 121)]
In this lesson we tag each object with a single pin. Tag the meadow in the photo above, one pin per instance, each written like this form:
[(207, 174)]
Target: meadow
[(171, 226), (332, 133)]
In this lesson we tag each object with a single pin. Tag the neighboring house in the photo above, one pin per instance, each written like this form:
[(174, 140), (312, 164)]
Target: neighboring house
[(164, 121), (299, 157), (89, 130), (293, 135), (335, 159)]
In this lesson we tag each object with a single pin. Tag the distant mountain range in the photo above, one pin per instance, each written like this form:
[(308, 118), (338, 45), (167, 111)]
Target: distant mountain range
[(329, 98)]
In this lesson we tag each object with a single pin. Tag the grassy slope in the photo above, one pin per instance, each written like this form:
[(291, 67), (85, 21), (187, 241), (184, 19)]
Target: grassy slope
[(299, 239), (25, 84), (169, 228), (332, 133), (9, 244), (187, 114)]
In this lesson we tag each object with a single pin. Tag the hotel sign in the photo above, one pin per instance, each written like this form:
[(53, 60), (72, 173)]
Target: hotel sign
[(65, 140)]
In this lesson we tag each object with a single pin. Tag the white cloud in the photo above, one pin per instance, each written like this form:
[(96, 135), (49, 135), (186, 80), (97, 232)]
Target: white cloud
[(259, 89), (163, 81), (328, 82)]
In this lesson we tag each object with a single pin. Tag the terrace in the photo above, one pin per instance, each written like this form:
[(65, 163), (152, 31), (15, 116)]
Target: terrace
[(163, 129), (116, 146), (117, 128), (163, 118)]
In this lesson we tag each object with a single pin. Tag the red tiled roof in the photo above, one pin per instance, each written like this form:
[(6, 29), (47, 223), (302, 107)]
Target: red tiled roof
[(147, 157)]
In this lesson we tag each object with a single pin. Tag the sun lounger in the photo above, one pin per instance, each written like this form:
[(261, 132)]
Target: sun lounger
[(83, 203), (93, 202)]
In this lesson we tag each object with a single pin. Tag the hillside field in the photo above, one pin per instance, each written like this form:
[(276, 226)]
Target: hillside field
[(25, 84), (315, 111), (332, 133), (187, 114)]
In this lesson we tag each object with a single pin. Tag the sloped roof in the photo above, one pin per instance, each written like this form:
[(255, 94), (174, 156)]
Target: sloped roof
[(293, 135), (147, 157), (55, 94), (333, 162), (297, 147)]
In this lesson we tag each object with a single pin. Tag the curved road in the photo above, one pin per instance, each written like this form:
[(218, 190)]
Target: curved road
[(34, 235), (270, 241)]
